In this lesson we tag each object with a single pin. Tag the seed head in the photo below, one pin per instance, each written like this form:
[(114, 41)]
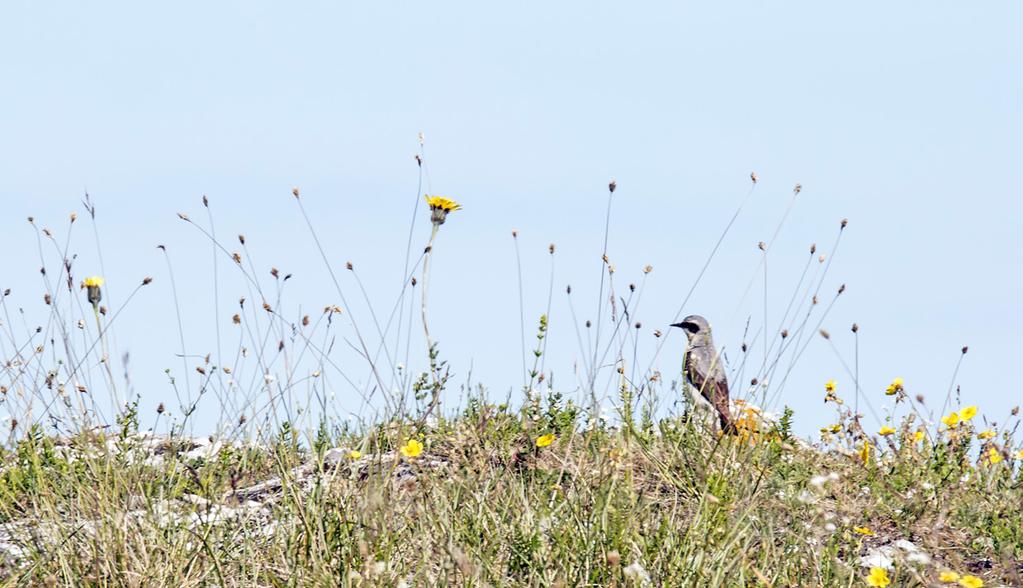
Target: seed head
[(349, 266), (294, 191), (160, 408), (797, 189), (845, 223), (612, 185), (855, 328), (753, 177), (825, 334), (550, 248)]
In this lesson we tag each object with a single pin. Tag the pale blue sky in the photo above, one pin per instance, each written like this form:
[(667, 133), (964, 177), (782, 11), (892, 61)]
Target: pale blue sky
[(905, 118)]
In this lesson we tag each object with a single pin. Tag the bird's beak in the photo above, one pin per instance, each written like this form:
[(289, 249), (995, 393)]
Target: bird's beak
[(687, 326)]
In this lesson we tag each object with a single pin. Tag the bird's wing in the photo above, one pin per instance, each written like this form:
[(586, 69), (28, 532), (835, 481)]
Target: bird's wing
[(712, 383)]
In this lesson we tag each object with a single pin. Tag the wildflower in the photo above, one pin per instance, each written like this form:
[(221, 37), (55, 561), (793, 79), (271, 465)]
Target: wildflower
[(863, 531), (93, 286), (894, 387), (636, 573), (971, 582), (878, 577), (968, 413), (1019, 454), (951, 420), (994, 456), (830, 386), (985, 435), (948, 576), (919, 436), (354, 454), (886, 430), (818, 481), (865, 453), (545, 440), (832, 429), (412, 448), (440, 207)]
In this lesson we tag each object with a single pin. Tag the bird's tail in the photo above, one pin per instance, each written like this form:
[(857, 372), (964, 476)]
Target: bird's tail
[(727, 426)]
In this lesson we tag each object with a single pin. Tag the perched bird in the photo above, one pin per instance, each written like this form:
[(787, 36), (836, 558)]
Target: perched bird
[(703, 367)]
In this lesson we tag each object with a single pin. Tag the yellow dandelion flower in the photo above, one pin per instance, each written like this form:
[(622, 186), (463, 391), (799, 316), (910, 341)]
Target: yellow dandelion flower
[(830, 386), (545, 440), (878, 577), (886, 430), (968, 413), (971, 582), (412, 449), (354, 454), (1019, 454), (994, 456), (832, 429), (94, 293), (951, 420), (863, 531), (440, 207), (948, 576), (985, 435), (865, 453), (894, 387), (919, 436)]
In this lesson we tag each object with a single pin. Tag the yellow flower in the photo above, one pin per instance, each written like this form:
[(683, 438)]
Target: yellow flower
[(968, 413), (951, 420), (994, 456), (886, 430), (412, 449), (865, 452), (354, 454), (971, 582), (919, 436), (832, 429), (878, 577), (985, 435), (895, 386), (1019, 454), (94, 293), (830, 386), (863, 531), (440, 207), (545, 440), (948, 576)]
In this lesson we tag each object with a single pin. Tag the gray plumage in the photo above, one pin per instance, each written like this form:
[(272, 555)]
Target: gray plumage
[(703, 367)]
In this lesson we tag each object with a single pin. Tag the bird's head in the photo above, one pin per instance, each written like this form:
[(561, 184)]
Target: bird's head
[(693, 325)]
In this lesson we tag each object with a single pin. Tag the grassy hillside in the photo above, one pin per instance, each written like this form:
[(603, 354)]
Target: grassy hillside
[(483, 499)]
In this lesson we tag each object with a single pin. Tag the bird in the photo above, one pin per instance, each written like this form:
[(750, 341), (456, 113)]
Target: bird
[(703, 368)]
